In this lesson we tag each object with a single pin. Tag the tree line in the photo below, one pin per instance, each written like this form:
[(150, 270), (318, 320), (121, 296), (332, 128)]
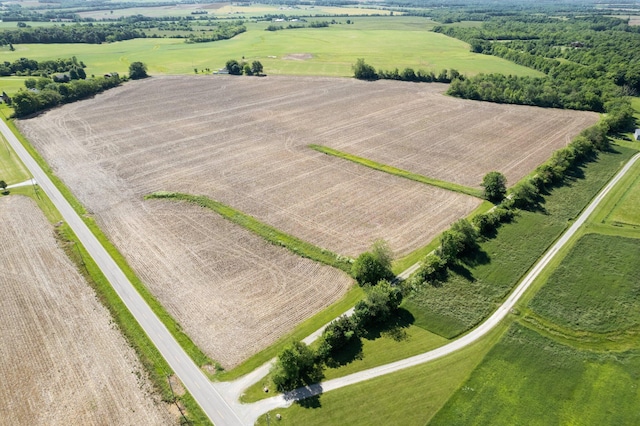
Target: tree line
[(364, 71), (46, 92), (25, 66)]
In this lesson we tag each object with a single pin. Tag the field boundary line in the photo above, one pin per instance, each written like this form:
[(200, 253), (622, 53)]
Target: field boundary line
[(269, 233), (450, 186)]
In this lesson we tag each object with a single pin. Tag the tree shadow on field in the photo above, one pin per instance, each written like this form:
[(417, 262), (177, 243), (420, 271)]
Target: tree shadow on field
[(476, 258), (460, 269), (395, 328), (347, 354), (310, 402)]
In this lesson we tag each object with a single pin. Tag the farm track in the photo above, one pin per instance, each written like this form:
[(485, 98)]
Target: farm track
[(62, 361)]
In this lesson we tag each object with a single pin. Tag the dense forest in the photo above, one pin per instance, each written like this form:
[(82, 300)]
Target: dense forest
[(588, 61)]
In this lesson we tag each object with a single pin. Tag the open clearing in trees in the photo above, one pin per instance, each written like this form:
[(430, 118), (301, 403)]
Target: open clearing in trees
[(243, 141), (61, 359)]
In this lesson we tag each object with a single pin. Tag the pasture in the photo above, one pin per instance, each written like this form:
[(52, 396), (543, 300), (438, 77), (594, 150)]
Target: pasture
[(242, 141), (62, 361), (385, 43), (529, 378), (596, 286)]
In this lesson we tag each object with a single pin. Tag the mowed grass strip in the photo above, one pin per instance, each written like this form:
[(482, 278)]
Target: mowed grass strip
[(269, 233), (408, 397), (199, 357), (398, 172), (478, 285), (530, 379)]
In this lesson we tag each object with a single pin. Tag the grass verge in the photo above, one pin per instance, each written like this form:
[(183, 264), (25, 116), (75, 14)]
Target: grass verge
[(450, 186), (269, 233), (408, 397)]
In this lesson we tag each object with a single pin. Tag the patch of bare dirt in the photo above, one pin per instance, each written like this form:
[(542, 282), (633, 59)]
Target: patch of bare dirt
[(298, 56)]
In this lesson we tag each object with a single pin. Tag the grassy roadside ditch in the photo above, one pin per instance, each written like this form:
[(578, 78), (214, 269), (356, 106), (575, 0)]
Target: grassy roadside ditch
[(398, 172), (270, 234), (150, 358)]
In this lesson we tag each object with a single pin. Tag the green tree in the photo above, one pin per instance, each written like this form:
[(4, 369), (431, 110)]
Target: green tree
[(495, 186), (233, 67), (3, 186), (137, 70), (25, 102), (296, 366), (373, 266), (256, 67), (381, 302), (337, 335), (246, 69), (363, 71)]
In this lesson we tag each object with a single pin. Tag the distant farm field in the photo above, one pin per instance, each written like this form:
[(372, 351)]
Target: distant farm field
[(388, 43), (62, 361), (243, 142)]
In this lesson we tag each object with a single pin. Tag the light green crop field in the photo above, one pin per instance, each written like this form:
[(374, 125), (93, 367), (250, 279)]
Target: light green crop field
[(310, 51), (627, 210), (530, 379), (596, 287)]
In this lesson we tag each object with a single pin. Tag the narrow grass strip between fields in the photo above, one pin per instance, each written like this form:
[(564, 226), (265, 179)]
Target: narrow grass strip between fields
[(269, 233), (450, 186), (138, 340)]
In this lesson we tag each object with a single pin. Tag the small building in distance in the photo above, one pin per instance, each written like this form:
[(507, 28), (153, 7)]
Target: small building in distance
[(637, 134)]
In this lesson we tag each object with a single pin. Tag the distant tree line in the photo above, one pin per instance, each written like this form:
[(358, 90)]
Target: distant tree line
[(49, 91), (77, 33), (313, 24), (24, 66), (364, 71), (588, 61), (223, 31)]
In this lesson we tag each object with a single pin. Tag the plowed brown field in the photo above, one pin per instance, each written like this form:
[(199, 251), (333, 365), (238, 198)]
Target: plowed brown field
[(242, 141), (62, 362)]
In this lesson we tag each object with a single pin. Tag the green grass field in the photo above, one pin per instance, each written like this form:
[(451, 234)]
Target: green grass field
[(529, 379), (334, 50), (627, 210), (596, 287), (476, 288), (409, 397)]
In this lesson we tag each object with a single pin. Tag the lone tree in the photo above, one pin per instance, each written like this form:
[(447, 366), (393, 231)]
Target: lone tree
[(363, 71), (137, 70), (3, 186), (233, 67), (495, 186)]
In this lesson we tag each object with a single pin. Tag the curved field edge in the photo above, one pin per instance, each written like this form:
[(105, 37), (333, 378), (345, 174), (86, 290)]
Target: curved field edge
[(149, 356), (450, 186), (269, 233)]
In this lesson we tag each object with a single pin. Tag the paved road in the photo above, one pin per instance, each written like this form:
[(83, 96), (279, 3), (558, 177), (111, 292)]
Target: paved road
[(252, 411), (216, 408)]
